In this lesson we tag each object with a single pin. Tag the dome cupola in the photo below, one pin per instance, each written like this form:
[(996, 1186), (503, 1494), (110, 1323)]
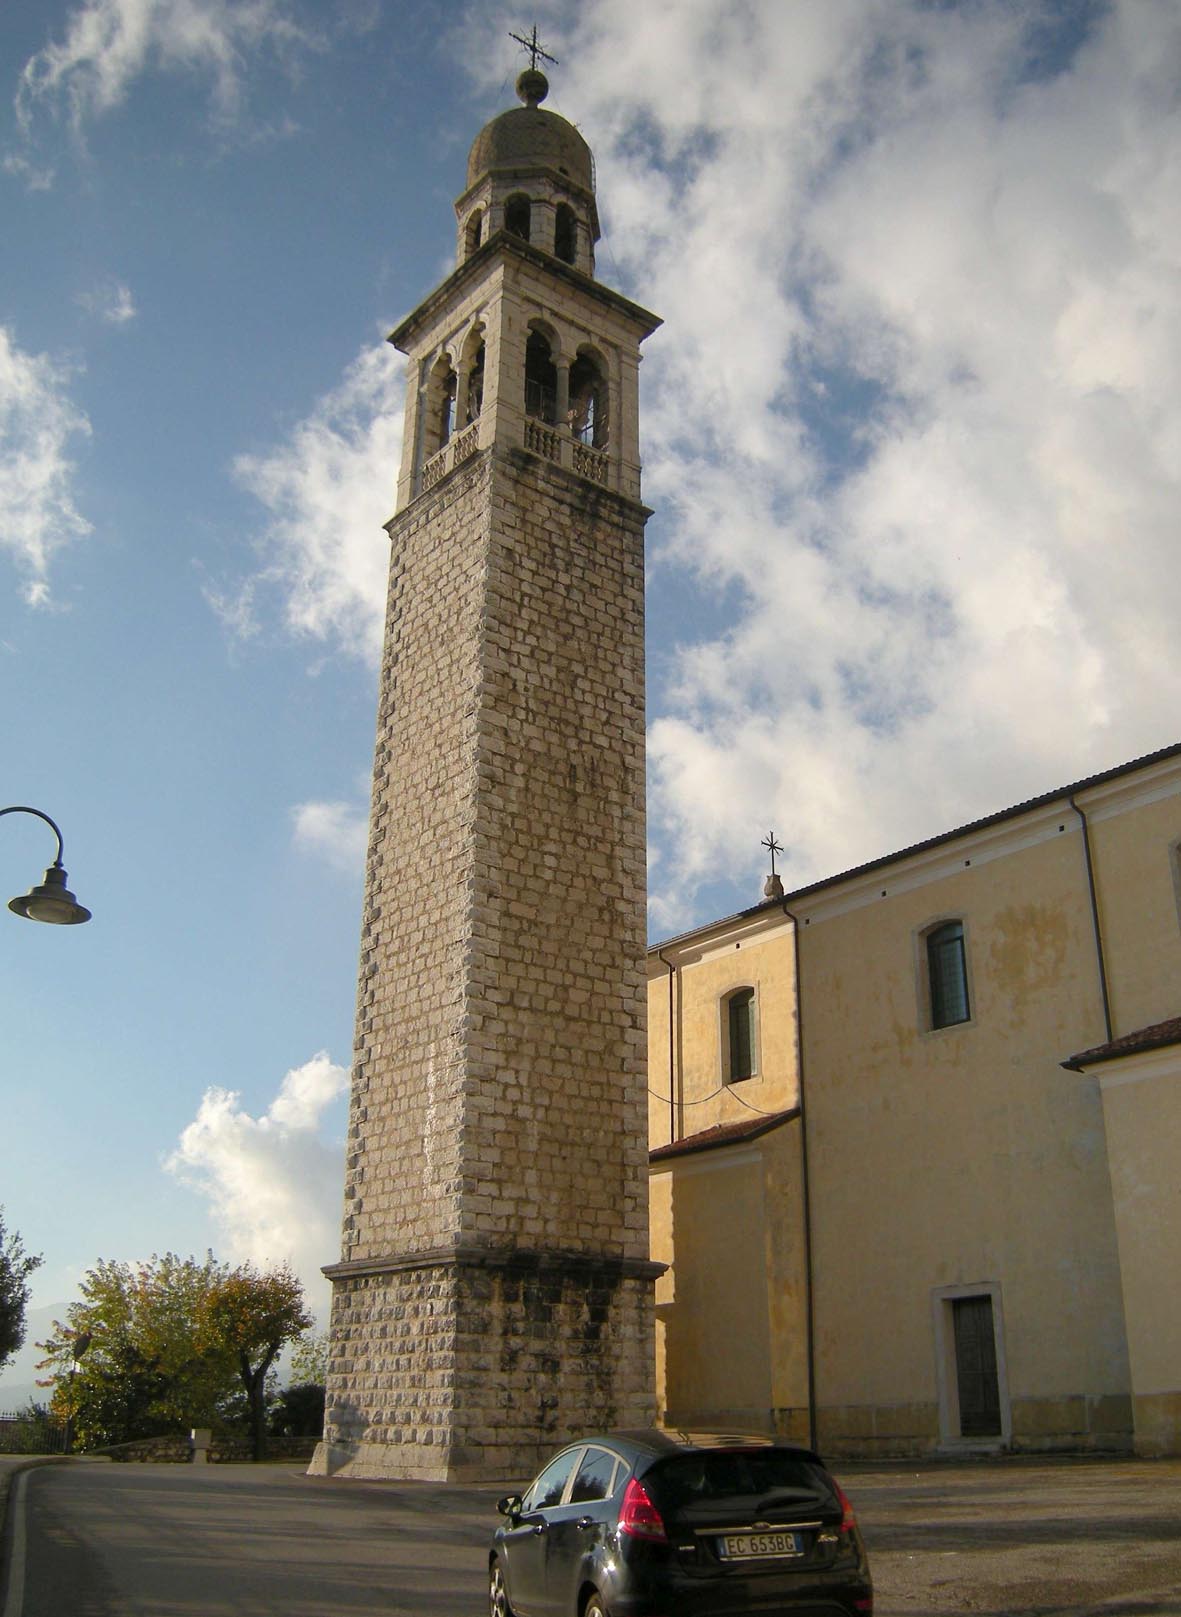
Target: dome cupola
[(531, 173), (529, 136)]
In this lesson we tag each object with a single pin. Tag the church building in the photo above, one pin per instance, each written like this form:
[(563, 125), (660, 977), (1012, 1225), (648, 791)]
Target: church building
[(915, 1132)]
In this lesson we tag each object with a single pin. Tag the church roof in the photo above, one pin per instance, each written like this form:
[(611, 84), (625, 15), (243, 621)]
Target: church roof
[(1157, 1037), (723, 1134)]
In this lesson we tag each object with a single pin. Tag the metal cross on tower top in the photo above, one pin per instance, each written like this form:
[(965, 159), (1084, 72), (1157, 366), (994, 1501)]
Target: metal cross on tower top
[(772, 848), (534, 49)]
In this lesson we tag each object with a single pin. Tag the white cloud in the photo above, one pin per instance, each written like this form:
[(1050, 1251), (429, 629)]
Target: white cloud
[(329, 489), (914, 415), (272, 1182), (109, 44), (37, 421), (339, 832), (111, 302)]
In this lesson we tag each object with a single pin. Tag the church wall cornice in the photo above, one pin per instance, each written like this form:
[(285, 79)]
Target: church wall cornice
[(499, 247)]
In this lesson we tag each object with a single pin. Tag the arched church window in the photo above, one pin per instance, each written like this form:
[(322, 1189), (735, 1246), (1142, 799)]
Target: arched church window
[(739, 1047), (588, 401), (541, 378), (474, 232), (565, 233), (440, 404), (517, 211)]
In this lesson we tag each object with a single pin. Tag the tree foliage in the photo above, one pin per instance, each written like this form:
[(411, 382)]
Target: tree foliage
[(158, 1346), (309, 1360), (146, 1368), (253, 1316), (16, 1265), (298, 1411)]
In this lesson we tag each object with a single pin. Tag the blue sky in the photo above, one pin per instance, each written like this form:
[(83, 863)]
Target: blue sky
[(911, 429)]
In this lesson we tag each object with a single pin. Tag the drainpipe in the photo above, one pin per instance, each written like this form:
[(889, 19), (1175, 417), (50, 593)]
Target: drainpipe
[(809, 1318), (1095, 924), (672, 1094)]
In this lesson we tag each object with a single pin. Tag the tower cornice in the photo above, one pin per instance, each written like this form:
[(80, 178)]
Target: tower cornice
[(505, 245)]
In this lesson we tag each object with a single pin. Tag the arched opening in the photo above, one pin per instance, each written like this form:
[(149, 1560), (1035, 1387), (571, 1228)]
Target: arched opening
[(588, 401), (440, 405), (541, 378), (473, 232), (473, 401), (739, 1049), (517, 211), (565, 233)]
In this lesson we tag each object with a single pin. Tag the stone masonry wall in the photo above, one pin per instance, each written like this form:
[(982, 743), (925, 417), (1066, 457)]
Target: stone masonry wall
[(555, 1123), (403, 1162)]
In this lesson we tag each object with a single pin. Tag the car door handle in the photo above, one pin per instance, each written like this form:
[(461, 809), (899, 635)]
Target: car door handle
[(539, 1527), (584, 1522)]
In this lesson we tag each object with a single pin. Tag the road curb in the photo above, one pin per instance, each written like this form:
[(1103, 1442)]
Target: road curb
[(11, 1465)]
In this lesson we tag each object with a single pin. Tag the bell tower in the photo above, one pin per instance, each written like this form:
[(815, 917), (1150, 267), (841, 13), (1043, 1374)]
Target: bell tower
[(494, 1292)]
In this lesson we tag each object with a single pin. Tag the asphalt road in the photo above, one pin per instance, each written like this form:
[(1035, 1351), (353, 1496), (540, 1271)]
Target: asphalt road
[(157, 1540), (997, 1540)]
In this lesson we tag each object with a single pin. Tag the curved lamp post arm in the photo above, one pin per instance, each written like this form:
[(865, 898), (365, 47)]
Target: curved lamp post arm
[(18, 808), (52, 900)]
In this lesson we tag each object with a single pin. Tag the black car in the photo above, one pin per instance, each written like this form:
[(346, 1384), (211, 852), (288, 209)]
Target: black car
[(667, 1524)]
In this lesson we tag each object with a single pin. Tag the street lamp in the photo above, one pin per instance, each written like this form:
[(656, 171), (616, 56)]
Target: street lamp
[(52, 901), (77, 1348)]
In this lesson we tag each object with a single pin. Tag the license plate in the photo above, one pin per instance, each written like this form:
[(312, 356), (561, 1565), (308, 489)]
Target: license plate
[(750, 1546)]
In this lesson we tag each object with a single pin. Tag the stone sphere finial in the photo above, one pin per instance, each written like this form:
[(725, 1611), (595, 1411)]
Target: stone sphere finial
[(532, 87)]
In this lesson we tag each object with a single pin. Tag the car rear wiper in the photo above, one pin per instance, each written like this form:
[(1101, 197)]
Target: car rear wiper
[(781, 1495)]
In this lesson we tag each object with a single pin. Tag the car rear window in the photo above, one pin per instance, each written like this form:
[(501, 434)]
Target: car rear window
[(686, 1479)]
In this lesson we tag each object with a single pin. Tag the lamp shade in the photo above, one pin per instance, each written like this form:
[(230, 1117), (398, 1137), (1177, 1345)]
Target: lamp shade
[(52, 902)]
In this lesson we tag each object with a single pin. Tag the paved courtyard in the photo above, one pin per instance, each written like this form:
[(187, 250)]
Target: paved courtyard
[(1022, 1536)]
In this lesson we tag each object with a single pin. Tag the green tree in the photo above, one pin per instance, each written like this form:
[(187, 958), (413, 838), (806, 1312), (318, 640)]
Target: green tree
[(253, 1316), (149, 1367), (16, 1265)]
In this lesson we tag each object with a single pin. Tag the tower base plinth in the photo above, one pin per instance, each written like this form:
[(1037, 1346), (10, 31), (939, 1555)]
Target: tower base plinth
[(474, 1366)]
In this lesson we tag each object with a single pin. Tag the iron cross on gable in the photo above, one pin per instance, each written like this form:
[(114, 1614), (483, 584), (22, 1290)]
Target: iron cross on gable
[(534, 49), (772, 848)]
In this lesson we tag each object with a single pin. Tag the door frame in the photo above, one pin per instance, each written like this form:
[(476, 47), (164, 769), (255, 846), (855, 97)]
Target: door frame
[(942, 1317)]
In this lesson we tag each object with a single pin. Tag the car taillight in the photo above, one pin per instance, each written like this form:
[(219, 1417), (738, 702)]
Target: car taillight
[(848, 1520), (638, 1515)]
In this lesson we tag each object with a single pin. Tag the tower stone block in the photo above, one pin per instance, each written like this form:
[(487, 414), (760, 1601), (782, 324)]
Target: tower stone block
[(494, 1291)]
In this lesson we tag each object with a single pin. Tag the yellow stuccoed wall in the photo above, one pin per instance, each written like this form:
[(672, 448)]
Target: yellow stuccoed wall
[(691, 1073), (730, 1337), (1142, 1105), (964, 1156), (730, 1307), (1139, 904)]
